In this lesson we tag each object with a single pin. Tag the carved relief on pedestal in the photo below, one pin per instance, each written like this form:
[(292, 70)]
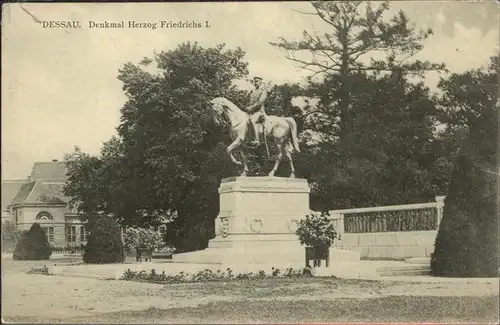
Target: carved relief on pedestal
[(224, 226), (256, 225), (222, 223)]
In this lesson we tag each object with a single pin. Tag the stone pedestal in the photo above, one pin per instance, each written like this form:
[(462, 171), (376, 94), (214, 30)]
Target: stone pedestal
[(256, 225)]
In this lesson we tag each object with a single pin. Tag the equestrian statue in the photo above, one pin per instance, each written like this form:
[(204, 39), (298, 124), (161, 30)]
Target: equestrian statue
[(283, 130)]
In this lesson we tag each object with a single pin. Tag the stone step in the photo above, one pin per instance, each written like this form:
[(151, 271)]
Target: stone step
[(206, 256), (418, 260), (90, 276), (410, 270), (405, 273)]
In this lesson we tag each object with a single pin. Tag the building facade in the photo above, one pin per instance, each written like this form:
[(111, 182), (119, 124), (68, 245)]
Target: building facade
[(40, 198)]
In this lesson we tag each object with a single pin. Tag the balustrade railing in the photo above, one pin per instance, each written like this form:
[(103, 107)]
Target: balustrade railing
[(396, 218)]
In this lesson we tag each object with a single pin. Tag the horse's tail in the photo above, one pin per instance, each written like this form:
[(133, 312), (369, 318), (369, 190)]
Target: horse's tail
[(293, 133)]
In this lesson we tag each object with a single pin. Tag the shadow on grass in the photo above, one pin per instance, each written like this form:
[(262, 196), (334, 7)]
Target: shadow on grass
[(274, 287)]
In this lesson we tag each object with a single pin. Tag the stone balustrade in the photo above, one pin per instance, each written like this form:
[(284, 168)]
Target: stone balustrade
[(398, 231)]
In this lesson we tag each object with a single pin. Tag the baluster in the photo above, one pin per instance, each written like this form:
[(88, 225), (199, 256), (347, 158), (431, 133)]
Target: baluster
[(384, 223), (399, 222)]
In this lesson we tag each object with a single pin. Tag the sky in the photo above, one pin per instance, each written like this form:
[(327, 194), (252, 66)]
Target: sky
[(60, 87)]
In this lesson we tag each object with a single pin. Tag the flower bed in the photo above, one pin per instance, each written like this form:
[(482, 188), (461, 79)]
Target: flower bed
[(39, 270), (208, 275)]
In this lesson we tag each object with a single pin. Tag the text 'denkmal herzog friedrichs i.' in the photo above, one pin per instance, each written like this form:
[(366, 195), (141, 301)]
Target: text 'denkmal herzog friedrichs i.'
[(104, 24)]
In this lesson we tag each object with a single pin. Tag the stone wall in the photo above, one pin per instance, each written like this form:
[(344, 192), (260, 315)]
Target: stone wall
[(390, 244)]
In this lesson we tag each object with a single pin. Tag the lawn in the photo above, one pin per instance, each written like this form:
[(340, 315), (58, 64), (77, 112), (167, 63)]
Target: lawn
[(386, 309), (38, 298)]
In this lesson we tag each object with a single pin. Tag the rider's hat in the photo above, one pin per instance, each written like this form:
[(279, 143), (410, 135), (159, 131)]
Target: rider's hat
[(257, 78)]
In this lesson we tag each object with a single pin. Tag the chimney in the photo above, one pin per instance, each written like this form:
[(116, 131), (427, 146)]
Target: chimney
[(54, 160)]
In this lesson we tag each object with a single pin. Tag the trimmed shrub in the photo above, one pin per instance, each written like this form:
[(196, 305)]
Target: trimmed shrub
[(33, 245), (104, 243), (467, 241)]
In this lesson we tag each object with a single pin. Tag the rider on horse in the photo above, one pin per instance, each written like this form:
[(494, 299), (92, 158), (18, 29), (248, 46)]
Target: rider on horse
[(255, 109)]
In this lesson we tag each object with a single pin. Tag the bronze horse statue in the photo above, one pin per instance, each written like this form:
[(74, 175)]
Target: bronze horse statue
[(282, 129)]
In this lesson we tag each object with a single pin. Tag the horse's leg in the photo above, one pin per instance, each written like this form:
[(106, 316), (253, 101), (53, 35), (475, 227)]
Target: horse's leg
[(288, 153), (236, 143), (245, 162), (279, 144)]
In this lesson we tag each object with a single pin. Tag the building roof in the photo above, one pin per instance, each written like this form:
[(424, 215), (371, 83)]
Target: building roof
[(41, 192), (10, 190), (44, 186), (23, 193), (52, 170)]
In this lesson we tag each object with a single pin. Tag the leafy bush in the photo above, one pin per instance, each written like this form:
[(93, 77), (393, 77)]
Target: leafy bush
[(104, 243), (316, 230), (10, 236), (208, 275), (143, 238), (39, 270), (22, 247), (33, 245)]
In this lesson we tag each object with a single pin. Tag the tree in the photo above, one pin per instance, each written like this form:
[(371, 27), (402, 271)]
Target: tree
[(104, 242), (86, 185), (361, 40), (169, 155), (369, 122), (467, 242), (33, 245), (467, 97), (393, 156)]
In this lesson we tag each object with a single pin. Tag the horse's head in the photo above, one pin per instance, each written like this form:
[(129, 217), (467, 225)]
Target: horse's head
[(228, 111), (217, 105)]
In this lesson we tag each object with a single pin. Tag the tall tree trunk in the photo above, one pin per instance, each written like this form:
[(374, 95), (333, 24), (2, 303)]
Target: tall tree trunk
[(346, 85)]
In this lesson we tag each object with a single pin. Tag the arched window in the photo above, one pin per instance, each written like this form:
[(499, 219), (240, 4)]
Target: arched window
[(44, 216)]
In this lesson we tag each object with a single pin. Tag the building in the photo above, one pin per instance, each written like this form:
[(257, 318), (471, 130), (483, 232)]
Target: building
[(39, 198)]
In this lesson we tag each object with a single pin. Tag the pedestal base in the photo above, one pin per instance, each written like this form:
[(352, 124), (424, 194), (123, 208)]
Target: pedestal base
[(255, 228), (251, 261)]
